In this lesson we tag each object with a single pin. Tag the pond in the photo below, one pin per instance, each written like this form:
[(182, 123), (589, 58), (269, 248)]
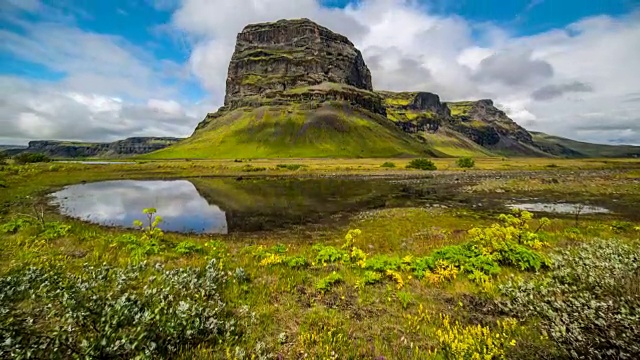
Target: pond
[(119, 203), (221, 205), (228, 205)]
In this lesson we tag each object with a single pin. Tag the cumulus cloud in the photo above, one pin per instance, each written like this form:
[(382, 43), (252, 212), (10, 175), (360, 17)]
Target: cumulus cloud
[(570, 81), (40, 110)]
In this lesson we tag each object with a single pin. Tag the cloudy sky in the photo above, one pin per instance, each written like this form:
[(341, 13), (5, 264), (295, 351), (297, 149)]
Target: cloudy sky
[(105, 70)]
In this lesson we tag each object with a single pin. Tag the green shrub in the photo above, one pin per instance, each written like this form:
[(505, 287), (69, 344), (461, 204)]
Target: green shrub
[(107, 312), (326, 283), (369, 278), (466, 162), (588, 303), (422, 164), (188, 248), (251, 168), (30, 158), (329, 254), (292, 167), (296, 262), (382, 263), (14, 225), (388, 165), (137, 248)]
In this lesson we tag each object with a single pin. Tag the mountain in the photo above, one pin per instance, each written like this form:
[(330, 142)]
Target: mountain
[(70, 149), (297, 89), (570, 148)]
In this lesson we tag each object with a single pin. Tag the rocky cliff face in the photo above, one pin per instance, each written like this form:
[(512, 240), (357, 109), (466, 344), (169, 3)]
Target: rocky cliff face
[(296, 60), (130, 146), (479, 121)]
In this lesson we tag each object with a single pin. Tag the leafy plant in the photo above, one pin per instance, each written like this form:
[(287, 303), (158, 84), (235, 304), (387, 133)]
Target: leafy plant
[(151, 231), (405, 298), (369, 278), (388, 164), (296, 262), (422, 164), (14, 225), (138, 249), (326, 283), (329, 254), (188, 248), (54, 230), (466, 162), (292, 167)]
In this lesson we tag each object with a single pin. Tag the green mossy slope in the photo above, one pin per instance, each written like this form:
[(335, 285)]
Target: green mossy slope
[(571, 148), (333, 130)]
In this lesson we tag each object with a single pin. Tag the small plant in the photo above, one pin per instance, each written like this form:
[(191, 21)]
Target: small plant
[(188, 248), (466, 162), (405, 298), (443, 272), (13, 226), (326, 283), (30, 158), (388, 165), (476, 342), (296, 262), (251, 168), (151, 231), (329, 254), (292, 167), (422, 164), (369, 278)]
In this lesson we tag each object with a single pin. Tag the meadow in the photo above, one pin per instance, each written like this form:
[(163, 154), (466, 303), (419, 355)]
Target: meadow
[(398, 282)]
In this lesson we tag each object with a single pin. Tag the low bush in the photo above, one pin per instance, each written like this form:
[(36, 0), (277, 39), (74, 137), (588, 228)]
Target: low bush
[(422, 164), (30, 158), (388, 165), (588, 303), (466, 162), (107, 313), (326, 283), (188, 248), (292, 167)]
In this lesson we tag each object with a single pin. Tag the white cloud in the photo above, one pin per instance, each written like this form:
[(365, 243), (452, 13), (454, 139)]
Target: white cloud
[(569, 81), (409, 48)]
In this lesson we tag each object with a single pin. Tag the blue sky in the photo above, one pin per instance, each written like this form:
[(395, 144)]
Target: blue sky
[(155, 67)]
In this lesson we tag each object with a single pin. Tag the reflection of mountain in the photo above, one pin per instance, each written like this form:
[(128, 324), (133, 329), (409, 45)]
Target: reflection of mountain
[(261, 204)]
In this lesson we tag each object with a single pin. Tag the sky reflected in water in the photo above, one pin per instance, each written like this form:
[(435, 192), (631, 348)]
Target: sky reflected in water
[(119, 203)]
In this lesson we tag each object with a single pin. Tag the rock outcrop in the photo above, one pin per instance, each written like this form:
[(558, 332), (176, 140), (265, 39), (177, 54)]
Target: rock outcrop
[(127, 147), (296, 60)]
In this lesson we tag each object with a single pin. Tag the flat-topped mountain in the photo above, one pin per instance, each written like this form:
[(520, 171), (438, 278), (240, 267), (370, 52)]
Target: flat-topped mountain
[(73, 149), (271, 58), (297, 89)]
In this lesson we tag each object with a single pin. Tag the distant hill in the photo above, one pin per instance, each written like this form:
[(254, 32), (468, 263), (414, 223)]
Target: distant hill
[(73, 149), (571, 148)]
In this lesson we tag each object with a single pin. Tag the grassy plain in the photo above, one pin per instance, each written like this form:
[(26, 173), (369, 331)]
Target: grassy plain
[(368, 295)]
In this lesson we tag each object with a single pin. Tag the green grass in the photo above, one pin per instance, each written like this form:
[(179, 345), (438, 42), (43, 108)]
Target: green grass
[(289, 132), (297, 306)]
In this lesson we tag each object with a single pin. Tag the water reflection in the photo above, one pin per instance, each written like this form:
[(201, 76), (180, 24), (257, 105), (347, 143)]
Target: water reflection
[(119, 203)]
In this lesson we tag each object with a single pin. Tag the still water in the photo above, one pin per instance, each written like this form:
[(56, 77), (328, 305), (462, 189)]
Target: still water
[(227, 205), (560, 208), (119, 203), (221, 205)]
